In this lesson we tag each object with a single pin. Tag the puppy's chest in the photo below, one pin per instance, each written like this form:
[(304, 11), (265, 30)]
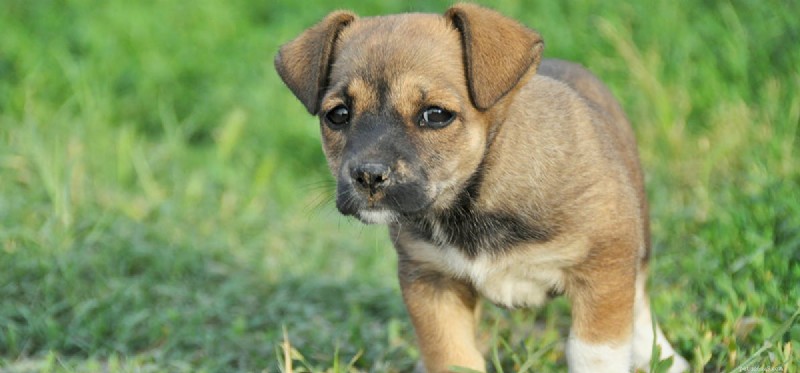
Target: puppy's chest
[(505, 257), (503, 278)]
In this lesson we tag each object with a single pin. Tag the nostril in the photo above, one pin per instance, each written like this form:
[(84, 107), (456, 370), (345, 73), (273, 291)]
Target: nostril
[(378, 179)]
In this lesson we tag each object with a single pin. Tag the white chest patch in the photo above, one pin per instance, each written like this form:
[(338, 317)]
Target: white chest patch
[(506, 280)]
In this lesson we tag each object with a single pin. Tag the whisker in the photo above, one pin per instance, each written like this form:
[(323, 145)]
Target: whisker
[(326, 183), (320, 193)]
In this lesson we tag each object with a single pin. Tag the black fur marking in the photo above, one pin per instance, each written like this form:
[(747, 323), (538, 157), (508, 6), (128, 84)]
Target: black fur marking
[(473, 231)]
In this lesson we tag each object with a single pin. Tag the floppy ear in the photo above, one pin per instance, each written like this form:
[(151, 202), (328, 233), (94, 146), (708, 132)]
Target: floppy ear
[(498, 51), (304, 63)]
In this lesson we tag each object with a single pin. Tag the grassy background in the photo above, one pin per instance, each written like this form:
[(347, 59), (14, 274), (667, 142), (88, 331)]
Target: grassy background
[(164, 203)]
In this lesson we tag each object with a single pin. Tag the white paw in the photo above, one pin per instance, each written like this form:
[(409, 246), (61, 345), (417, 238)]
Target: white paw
[(584, 357)]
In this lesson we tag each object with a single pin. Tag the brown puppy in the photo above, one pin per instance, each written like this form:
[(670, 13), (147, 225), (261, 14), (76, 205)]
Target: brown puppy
[(497, 175)]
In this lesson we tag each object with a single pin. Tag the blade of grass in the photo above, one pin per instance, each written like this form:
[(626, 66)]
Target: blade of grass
[(773, 339)]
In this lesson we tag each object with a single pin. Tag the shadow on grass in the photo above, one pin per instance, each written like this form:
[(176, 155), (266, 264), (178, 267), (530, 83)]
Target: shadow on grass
[(332, 322)]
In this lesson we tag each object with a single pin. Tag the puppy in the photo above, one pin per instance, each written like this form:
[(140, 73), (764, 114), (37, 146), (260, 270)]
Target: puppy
[(498, 174)]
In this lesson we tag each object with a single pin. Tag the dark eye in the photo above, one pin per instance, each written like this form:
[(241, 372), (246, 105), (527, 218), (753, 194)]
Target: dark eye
[(337, 117), (436, 117)]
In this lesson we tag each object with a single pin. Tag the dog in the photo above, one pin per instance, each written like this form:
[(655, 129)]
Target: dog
[(499, 174)]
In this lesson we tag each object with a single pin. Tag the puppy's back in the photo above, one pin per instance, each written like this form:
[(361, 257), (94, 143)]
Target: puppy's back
[(585, 83)]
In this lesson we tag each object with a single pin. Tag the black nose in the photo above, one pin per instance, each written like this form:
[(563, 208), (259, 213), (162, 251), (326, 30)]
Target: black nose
[(370, 176)]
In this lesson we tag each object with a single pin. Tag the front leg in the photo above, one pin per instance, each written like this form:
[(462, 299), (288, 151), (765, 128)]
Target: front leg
[(602, 319), (443, 311)]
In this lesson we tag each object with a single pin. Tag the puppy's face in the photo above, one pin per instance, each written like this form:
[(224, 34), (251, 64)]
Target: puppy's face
[(398, 128), (406, 101)]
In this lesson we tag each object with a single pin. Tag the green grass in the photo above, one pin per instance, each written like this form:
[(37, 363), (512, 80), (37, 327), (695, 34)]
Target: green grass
[(165, 206)]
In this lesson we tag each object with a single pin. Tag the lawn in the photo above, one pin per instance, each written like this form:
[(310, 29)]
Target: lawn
[(165, 204)]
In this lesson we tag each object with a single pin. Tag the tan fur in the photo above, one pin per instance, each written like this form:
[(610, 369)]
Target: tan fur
[(539, 155)]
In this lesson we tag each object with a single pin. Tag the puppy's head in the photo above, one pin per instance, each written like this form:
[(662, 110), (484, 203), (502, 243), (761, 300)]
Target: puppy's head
[(407, 103)]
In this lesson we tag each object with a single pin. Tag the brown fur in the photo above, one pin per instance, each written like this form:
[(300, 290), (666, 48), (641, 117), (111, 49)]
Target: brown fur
[(497, 53), (305, 65), (534, 186), (444, 313)]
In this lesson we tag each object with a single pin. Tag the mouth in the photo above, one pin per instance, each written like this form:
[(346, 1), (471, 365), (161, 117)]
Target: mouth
[(377, 216), (389, 207)]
